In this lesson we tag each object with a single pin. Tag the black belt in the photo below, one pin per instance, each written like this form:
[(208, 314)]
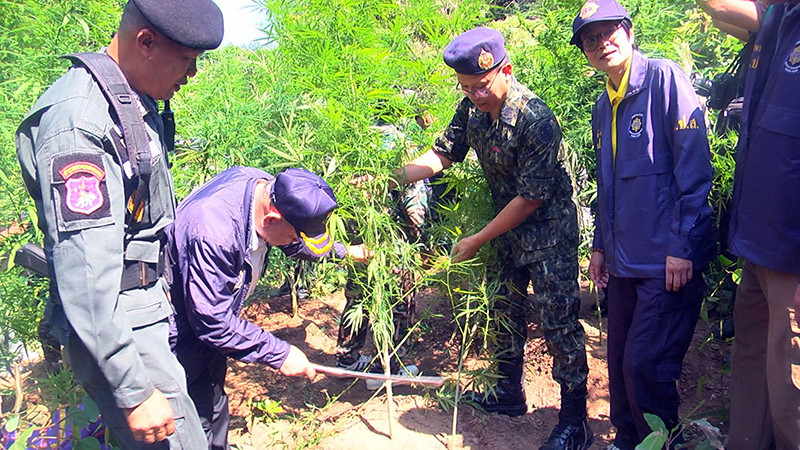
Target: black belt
[(139, 274)]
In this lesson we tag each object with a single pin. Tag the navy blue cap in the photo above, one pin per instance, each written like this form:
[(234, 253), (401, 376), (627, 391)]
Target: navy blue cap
[(476, 51), (597, 11), (305, 200), (196, 24)]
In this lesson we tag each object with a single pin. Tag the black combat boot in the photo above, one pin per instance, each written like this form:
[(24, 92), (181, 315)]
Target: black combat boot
[(572, 431), (509, 393)]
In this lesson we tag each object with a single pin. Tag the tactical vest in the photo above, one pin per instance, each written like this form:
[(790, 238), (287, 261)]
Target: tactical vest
[(150, 199)]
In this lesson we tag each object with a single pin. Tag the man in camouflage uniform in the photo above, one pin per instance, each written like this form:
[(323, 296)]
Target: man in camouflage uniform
[(518, 143)]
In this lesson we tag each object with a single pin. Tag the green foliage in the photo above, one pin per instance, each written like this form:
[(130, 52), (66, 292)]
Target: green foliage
[(33, 35), (20, 311), (331, 69), (656, 439), (264, 408)]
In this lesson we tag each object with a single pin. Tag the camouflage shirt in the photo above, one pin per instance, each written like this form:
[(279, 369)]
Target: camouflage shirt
[(521, 154)]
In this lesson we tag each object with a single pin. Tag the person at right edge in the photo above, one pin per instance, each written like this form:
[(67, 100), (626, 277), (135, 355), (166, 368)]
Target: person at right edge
[(653, 223), (518, 143), (765, 234)]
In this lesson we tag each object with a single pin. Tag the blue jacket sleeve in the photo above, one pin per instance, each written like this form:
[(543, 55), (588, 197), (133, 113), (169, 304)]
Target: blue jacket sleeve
[(215, 280), (597, 239), (691, 161)]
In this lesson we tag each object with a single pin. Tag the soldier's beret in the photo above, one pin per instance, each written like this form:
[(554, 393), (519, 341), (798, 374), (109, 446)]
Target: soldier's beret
[(195, 24), (476, 51), (305, 200), (597, 11)]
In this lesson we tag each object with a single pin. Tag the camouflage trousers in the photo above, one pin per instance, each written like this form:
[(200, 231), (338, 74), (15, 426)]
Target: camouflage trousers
[(556, 298), (352, 337), (412, 211)]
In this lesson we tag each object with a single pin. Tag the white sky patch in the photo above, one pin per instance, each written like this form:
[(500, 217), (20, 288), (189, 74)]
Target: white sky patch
[(242, 22)]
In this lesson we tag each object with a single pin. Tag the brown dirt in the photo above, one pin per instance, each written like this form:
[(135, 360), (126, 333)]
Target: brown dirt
[(333, 413)]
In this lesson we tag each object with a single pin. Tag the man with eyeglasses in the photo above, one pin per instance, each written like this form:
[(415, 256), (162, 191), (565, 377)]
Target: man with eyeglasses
[(518, 142), (653, 224)]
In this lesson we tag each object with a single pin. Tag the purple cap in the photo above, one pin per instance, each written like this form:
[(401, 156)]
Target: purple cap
[(476, 51), (596, 11), (305, 201)]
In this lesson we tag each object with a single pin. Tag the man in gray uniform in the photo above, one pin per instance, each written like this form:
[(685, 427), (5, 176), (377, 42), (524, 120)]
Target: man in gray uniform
[(103, 221)]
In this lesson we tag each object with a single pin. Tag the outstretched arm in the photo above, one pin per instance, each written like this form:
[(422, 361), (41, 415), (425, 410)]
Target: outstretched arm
[(741, 15), (424, 166)]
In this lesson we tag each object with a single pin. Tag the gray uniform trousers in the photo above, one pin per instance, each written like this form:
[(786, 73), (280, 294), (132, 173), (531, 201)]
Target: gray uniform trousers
[(163, 369)]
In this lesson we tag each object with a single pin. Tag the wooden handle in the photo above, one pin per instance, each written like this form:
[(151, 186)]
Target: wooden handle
[(394, 379)]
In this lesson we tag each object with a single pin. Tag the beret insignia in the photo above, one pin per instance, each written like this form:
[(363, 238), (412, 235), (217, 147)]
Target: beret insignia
[(485, 60), (588, 9), (792, 65)]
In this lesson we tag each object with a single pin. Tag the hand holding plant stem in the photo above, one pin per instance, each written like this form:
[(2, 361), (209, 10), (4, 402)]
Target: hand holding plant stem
[(360, 253), (361, 180), (466, 248), (598, 272), (513, 214)]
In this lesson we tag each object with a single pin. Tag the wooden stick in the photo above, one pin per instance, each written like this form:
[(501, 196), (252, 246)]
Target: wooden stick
[(395, 379)]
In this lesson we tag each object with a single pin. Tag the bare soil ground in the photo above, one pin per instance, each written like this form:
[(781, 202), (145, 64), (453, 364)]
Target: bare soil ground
[(332, 413)]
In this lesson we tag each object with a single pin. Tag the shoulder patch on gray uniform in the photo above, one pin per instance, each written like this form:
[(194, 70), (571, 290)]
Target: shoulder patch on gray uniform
[(79, 179)]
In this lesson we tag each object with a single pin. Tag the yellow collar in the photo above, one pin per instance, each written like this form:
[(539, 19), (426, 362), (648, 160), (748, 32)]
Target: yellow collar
[(615, 95)]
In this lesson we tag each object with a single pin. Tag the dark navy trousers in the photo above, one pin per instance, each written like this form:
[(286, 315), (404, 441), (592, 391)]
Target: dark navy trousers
[(649, 332), (207, 391)]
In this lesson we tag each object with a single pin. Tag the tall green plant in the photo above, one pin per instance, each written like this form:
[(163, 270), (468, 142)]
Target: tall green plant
[(331, 69)]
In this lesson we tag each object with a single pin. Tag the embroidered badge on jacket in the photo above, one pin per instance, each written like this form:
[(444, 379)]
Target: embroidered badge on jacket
[(792, 64), (636, 126), (683, 124)]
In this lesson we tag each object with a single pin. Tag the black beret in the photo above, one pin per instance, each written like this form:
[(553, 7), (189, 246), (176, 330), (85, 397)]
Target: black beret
[(476, 51), (195, 24)]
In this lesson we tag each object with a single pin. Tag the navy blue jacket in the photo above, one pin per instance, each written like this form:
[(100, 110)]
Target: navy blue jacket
[(653, 201), (765, 217), (209, 257)]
